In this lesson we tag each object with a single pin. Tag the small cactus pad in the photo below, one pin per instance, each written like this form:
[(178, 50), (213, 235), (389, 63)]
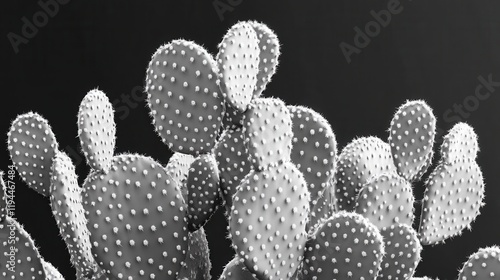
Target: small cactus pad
[(184, 98), (484, 264), (203, 190), (411, 137), (178, 167), (67, 208), (97, 129), (358, 162), (236, 270), (232, 157), (268, 129), (268, 221), (238, 61), (402, 252), (346, 246), (452, 199), (269, 46), (19, 257), (323, 207), (197, 264), (137, 219), (460, 142), (386, 200), (314, 148), (51, 273), (32, 145)]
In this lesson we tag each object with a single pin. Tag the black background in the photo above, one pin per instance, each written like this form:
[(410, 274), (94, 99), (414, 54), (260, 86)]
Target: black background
[(432, 50)]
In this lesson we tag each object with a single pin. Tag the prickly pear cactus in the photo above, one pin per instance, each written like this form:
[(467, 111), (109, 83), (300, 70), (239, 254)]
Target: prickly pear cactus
[(203, 190), (269, 46), (19, 258), (197, 264), (411, 137), (386, 200), (323, 208), (268, 221), (358, 162), (452, 199), (236, 270), (178, 167), (402, 252), (238, 61), (67, 208), (314, 148), (268, 131), (32, 145), (232, 158), (460, 142), (484, 264), (97, 130), (184, 97), (137, 219), (51, 273), (346, 246)]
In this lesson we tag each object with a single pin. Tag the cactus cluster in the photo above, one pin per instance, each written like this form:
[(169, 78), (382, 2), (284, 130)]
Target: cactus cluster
[(296, 209)]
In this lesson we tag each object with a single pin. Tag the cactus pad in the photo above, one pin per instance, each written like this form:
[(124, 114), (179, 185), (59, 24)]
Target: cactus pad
[(51, 273), (346, 246), (232, 158), (411, 136), (184, 98), (386, 200), (238, 61), (197, 264), (484, 264), (269, 46), (358, 162), (137, 219), (402, 250), (19, 257), (460, 142), (203, 190), (236, 270), (452, 199), (97, 129), (32, 145), (67, 208), (268, 130), (314, 148), (268, 221), (178, 167), (323, 207)]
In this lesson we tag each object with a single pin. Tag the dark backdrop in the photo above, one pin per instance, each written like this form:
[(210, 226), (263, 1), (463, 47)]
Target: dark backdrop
[(432, 50)]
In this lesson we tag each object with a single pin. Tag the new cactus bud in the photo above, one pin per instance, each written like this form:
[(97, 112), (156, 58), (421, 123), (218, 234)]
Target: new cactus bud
[(268, 221), (386, 200), (484, 264), (314, 148), (236, 270), (97, 129), (452, 199), (184, 98), (358, 162), (137, 219), (19, 257), (269, 46), (67, 208), (411, 136), (402, 250), (345, 246), (51, 273), (197, 264), (203, 190), (232, 158), (460, 142), (268, 131), (238, 61), (32, 145)]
